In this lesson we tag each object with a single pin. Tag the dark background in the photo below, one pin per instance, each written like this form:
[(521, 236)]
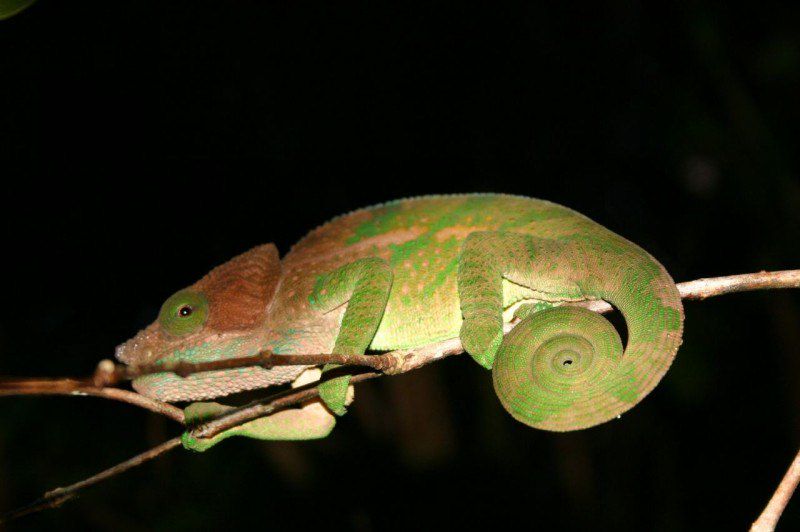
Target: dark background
[(143, 143)]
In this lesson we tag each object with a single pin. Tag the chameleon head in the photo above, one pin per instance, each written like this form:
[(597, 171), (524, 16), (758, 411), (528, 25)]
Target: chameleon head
[(222, 315)]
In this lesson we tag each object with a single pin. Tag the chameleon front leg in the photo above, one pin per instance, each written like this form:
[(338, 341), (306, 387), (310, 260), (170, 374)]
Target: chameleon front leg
[(310, 422), (564, 368), (364, 286)]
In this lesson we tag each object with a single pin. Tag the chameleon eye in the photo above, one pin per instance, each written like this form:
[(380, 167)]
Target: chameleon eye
[(183, 313)]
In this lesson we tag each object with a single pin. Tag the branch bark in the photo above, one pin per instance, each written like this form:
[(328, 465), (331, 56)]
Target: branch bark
[(392, 363), (58, 496), (768, 519), (75, 387)]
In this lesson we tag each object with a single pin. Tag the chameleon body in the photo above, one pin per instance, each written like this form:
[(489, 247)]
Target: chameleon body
[(416, 271)]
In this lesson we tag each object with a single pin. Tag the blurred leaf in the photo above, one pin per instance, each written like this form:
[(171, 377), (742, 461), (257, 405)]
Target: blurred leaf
[(9, 8)]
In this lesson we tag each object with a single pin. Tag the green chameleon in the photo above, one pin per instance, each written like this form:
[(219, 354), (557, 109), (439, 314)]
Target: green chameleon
[(416, 271)]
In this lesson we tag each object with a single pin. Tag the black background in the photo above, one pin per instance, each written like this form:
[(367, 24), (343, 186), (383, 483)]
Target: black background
[(145, 142)]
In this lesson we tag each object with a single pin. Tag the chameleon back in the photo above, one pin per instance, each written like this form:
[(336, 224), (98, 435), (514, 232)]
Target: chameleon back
[(421, 239)]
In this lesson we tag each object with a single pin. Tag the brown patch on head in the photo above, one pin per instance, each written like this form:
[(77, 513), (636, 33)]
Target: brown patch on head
[(239, 291), (238, 294)]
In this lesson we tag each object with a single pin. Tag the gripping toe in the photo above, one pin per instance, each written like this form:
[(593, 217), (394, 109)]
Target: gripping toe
[(334, 393), (482, 345)]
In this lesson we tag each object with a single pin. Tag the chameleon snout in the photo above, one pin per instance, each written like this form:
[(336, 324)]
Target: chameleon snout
[(137, 350), (119, 354)]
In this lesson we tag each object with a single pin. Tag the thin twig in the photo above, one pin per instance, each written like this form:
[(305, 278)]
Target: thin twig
[(58, 496), (108, 374), (772, 512), (43, 503), (716, 286), (746, 282), (74, 387)]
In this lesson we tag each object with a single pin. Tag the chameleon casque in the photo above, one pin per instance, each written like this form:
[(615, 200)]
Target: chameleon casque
[(416, 271)]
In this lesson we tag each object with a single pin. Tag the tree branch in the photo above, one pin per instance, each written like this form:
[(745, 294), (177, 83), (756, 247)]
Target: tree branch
[(392, 363), (86, 387), (109, 374), (716, 286), (58, 496), (769, 517)]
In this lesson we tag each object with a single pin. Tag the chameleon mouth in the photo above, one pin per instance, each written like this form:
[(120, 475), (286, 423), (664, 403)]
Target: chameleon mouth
[(137, 350), (124, 354), (121, 353)]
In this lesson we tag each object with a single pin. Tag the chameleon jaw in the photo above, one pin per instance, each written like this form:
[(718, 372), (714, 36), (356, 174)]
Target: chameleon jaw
[(169, 387), (151, 346)]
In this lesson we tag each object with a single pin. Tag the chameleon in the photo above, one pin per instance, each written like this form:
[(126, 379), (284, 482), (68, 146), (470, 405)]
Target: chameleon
[(412, 272)]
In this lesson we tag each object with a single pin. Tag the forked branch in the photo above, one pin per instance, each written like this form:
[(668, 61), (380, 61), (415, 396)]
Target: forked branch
[(395, 362)]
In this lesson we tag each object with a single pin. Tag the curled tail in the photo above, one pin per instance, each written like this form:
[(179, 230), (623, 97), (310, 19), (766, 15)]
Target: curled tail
[(565, 369)]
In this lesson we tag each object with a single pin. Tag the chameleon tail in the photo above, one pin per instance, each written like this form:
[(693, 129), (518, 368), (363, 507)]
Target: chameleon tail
[(565, 369)]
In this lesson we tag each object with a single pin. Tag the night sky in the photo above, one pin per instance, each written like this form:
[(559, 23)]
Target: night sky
[(142, 143)]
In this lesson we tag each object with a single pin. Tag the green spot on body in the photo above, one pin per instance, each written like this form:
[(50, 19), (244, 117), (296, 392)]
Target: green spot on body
[(536, 215), (314, 296), (623, 386), (390, 218), (673, 319)]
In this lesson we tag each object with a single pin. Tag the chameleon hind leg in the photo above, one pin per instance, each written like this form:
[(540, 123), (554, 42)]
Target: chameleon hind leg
[(564, 368), (364, 285)]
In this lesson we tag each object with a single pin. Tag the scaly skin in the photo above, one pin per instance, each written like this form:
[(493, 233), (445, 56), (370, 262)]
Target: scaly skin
[(416, 271)]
